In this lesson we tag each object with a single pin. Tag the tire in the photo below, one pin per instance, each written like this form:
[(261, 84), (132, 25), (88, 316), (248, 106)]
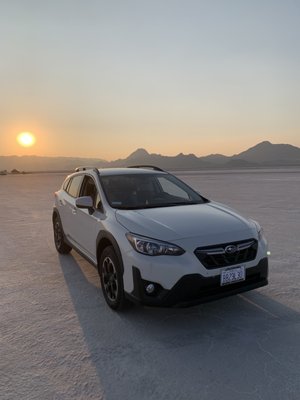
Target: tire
[(59, 237), (111, 279)]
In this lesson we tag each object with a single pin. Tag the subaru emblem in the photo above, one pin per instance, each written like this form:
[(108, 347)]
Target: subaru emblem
[(231, 249)]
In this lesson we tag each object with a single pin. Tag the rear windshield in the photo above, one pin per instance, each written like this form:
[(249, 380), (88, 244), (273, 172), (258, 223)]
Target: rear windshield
[(135, 191)]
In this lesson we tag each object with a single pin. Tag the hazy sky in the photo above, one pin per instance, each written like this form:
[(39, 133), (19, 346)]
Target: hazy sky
[(102, 78)]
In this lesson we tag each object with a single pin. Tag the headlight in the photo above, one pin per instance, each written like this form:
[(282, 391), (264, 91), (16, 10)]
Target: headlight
[(152, 247)]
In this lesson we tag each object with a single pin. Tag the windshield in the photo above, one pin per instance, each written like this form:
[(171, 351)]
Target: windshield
[(135, 191)]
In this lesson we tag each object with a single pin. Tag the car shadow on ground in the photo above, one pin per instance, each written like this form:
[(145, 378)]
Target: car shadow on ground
[(240, 347)]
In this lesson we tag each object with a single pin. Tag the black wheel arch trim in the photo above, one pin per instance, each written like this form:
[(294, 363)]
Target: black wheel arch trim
[(107, 236), (55, 212)]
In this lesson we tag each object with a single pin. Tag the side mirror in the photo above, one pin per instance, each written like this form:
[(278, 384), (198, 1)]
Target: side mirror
[(85, 202)]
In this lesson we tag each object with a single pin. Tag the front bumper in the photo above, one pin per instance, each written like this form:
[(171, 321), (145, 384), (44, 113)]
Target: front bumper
[(194, 289)]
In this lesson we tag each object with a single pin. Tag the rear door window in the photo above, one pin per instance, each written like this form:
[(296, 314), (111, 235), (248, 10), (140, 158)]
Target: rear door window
[(73, 188), (66, 184)]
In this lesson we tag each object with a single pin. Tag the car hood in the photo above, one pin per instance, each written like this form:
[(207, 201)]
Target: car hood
[(180, 222)]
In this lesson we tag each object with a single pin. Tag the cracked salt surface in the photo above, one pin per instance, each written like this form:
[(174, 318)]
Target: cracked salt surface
[(58, 339)]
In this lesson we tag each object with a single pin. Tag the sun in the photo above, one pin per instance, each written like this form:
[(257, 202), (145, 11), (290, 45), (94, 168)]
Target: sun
[(26, 139)]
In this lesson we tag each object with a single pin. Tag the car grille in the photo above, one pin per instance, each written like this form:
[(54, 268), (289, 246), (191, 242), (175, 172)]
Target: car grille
[(226, 254)]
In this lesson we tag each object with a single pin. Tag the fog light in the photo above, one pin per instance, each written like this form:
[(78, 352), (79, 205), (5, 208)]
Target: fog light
[(150, 288)]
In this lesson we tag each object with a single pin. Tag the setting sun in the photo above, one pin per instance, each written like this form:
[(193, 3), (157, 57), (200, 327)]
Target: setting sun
[(26, 139)]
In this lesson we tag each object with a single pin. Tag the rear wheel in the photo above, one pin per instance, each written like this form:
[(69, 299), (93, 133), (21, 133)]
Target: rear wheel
[(111, 279), (59, 238)]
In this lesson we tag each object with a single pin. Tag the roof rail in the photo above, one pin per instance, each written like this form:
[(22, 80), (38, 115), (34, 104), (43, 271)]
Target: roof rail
[(84, 168), (147, 166)]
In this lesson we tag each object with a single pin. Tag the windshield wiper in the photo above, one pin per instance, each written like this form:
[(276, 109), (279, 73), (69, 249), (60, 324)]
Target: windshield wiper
[(158, 205), (181, 203)]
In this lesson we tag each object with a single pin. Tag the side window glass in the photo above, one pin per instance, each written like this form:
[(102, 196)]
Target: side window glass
[(73, 188), (89, 189), (66, 184)]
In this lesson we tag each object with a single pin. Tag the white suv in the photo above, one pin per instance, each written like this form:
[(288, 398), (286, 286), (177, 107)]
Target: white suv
[(155, 240)]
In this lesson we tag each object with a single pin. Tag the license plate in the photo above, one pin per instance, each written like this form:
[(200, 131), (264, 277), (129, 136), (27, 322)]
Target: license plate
[(232, 275)]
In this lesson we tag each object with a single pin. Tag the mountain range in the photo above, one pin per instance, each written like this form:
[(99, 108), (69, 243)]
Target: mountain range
[(264, 154)]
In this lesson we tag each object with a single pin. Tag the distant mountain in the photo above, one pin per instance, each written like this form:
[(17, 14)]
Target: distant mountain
[(239, 163), (36, 163), (138, 154), (217, 159), (267, 153), (261, 155), (142, 157)]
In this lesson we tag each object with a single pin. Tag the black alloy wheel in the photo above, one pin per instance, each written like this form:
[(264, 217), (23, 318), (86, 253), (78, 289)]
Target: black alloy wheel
[(111, 279)]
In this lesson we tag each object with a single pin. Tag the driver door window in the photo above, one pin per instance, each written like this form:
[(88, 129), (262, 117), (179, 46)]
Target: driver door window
[(89, 189)]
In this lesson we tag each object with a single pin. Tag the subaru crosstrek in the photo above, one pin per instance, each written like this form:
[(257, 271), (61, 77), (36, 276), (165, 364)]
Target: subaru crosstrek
[(155, 240)]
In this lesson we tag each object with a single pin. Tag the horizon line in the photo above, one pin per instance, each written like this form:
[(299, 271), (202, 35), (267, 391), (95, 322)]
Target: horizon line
[(140, 148)]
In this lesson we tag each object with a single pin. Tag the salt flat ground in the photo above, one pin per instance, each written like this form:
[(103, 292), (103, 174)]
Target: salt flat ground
[(59, 340)]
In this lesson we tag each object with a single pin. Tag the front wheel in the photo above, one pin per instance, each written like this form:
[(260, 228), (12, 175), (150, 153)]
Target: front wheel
[(111, 279), (61, 246)]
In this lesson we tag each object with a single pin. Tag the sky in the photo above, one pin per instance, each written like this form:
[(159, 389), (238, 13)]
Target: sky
[(93, 78)]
